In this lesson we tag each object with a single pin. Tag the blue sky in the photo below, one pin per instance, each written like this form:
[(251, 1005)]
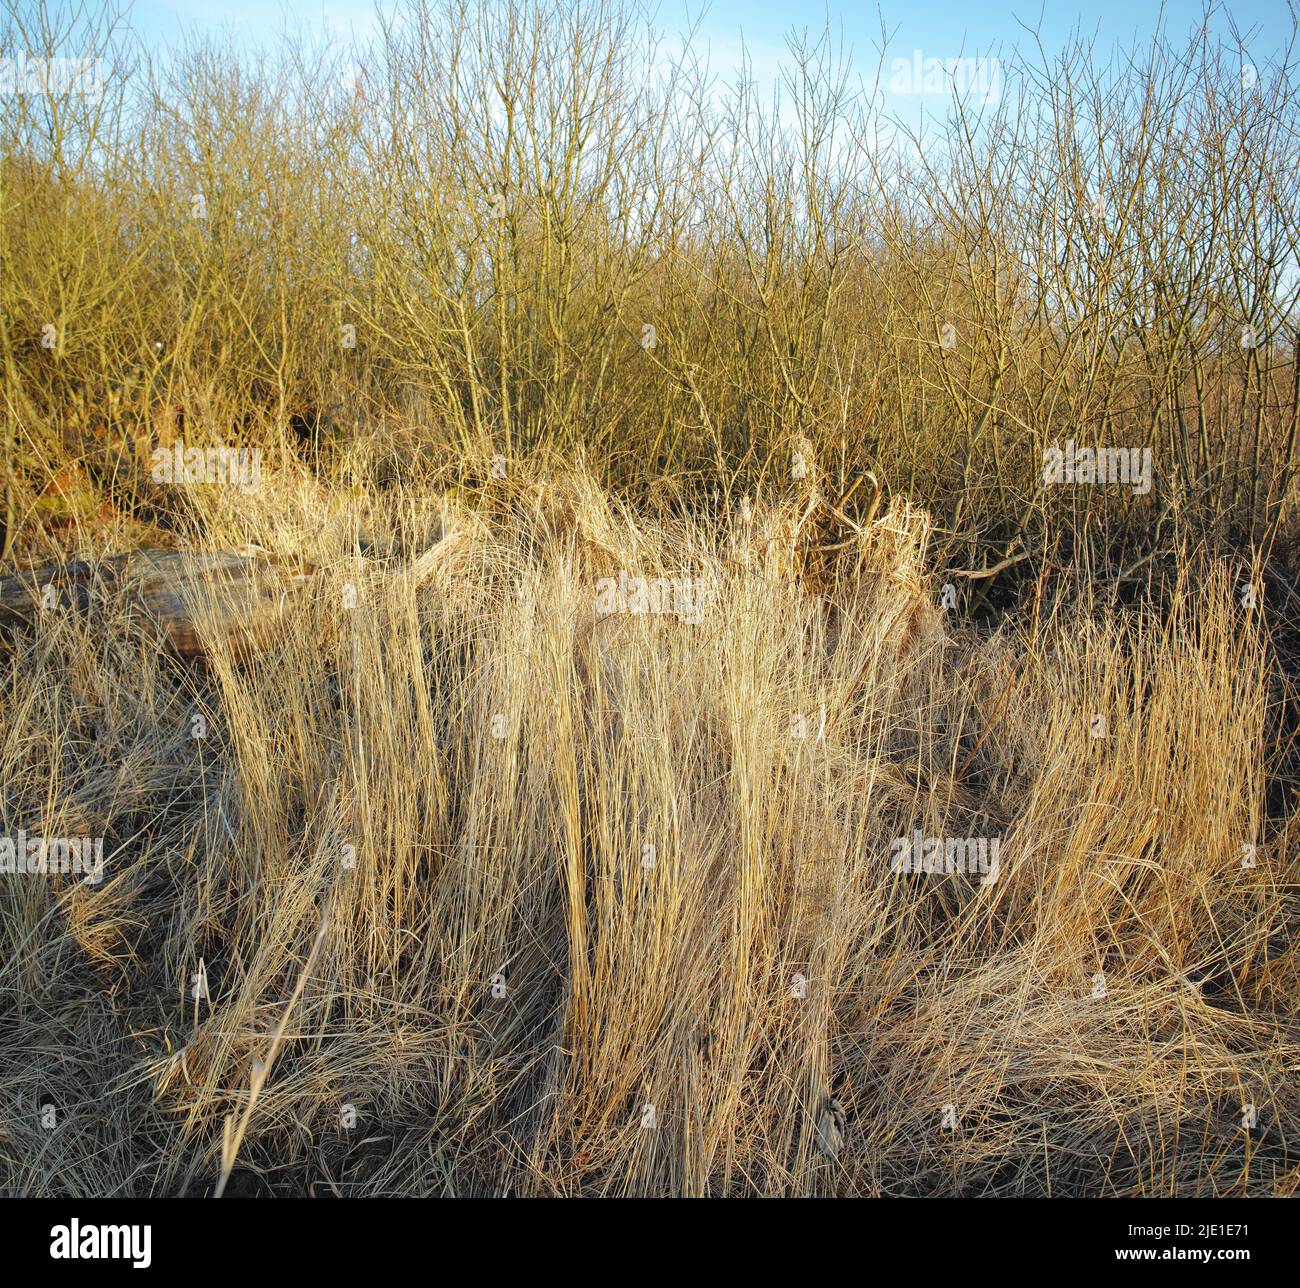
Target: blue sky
[(940, 28), (918, 30)]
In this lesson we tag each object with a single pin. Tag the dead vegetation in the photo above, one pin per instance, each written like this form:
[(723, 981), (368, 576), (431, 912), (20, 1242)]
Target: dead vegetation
[(666, 845), (650, 535)]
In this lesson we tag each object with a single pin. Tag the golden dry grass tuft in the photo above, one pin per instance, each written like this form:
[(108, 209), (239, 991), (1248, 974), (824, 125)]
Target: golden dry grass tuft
[(563, 901)]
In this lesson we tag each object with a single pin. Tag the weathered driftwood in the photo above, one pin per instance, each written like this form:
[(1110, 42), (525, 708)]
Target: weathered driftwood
[(193, 598)]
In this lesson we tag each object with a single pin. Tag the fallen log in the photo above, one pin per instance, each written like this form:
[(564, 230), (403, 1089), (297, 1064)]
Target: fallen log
[(192, 598)]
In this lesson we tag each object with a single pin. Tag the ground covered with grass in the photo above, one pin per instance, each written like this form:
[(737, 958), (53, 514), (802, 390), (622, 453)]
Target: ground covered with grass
[(498, 886)]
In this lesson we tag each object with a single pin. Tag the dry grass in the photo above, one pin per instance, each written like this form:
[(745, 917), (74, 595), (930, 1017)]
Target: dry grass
[(637, 977)]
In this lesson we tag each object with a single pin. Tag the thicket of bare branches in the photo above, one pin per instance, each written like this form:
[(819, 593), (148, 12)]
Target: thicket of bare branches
[(547, 229)]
